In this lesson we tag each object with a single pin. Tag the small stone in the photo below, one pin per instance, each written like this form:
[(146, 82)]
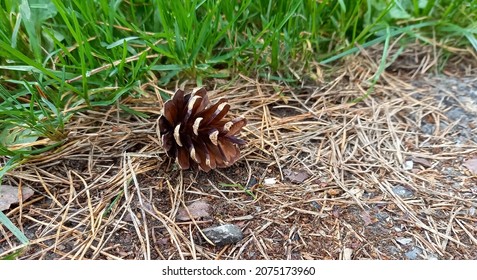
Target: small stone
[(382, 217), (224, 234), (459, 114), (269, 181), (402, 192), (428, 128), (404, 241), (408, 165), (412, 254)]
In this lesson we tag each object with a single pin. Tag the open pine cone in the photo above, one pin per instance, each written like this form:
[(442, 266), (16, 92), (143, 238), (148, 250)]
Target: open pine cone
[(195, 132)]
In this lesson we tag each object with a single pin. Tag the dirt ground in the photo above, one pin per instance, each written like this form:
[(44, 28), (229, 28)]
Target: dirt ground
[(382, 178)]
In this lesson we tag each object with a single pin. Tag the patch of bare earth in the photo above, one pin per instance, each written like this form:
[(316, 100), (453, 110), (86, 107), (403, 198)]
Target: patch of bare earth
[(377, 179)]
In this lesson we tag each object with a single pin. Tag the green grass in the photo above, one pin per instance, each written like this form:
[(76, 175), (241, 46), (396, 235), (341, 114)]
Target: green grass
[(64, 56)]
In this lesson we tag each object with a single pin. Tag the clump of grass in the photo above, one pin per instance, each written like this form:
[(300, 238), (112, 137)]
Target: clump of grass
[(92, 44)]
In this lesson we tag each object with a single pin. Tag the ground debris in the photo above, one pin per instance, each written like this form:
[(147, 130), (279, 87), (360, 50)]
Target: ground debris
[(413, 253), (404, 240), (224, 234), (197, 209), (9, 195), (402, 191), (471, 164), (296, 176)]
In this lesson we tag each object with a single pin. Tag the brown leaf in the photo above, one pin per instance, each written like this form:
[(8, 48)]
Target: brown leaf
[(296, 176), (366, 218), (471, 164), (9, 195), (422, 161), (198, 209)]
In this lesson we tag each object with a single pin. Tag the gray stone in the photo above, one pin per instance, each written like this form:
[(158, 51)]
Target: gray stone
[(413, 253), (428, 128), (458, 114), (404, 240), (224, 234), (402, 191), (383, 217)]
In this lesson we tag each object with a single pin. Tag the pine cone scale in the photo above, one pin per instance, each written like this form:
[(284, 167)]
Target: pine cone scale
[(235, 126), (168, 145), (196, 125), (171, 107), (183, 159), (229, 151), (216, 112)]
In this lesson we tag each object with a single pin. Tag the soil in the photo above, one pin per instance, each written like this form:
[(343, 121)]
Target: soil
[(382, 178)]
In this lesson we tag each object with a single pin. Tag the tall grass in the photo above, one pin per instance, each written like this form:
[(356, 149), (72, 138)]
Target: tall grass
[(60, 40)]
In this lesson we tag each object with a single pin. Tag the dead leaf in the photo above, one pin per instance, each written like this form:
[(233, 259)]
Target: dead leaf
[(9, 195), (471, 164), (296, 176), (366, 218), (197, 209), (422, 161)]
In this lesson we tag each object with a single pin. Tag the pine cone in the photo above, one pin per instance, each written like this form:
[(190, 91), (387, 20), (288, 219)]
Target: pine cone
[(195, 132)]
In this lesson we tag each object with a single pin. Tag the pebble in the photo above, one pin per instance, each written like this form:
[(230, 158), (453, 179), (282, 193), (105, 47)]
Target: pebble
[(383, 217), (402, 191), (269, 181), (224, 234), (408, 165), (404, 240), (428, 128), (413, 253)]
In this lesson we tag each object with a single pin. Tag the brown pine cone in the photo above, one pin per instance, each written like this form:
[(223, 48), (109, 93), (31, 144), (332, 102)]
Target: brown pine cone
[(195, 132)]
